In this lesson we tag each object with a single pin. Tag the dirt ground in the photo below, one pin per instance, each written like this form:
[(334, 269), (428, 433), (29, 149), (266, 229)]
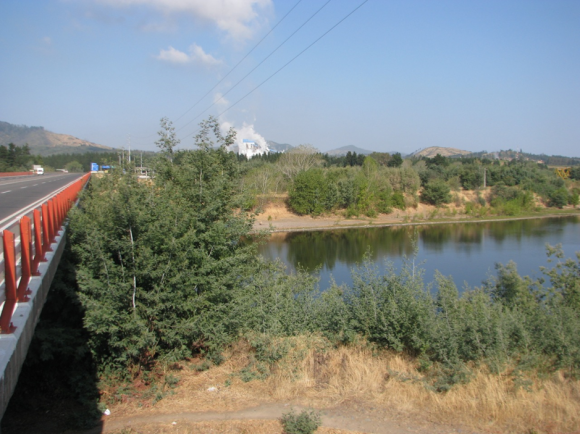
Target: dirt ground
[(265, 419), (277, 217), (354, 389), (202, 403)]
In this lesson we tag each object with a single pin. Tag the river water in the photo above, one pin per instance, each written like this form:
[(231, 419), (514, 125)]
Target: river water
[(466, 251)]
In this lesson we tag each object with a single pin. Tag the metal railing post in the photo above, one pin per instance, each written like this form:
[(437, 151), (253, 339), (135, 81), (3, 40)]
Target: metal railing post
[(25, 259), (45, 230), (38, 253), (9, 282)]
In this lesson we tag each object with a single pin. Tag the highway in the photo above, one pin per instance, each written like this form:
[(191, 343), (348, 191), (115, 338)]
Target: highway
[(17, 193)]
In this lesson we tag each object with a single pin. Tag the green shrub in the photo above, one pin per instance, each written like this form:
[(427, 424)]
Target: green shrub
[(306, 422), (436, 193), (308, 192), (398, 200), (559, 197)]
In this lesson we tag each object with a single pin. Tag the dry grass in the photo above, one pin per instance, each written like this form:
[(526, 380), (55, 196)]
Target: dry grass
[(221, 427), (315, 374)]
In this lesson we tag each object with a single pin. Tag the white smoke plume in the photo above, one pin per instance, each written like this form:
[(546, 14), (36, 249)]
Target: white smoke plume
[(247, 132)]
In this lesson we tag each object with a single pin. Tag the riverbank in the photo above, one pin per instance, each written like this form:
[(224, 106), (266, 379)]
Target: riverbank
[(276, 217)]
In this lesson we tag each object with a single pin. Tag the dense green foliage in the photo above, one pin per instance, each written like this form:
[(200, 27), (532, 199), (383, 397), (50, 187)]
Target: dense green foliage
[(17, 158), (63, 161), (355, 184), (163, 272), (155, 257), (436, 193)]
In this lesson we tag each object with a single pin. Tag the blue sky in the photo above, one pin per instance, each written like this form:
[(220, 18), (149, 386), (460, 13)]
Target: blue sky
[(394, 76)]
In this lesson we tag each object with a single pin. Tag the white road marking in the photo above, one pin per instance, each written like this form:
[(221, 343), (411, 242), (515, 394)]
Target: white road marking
[(7, 191)]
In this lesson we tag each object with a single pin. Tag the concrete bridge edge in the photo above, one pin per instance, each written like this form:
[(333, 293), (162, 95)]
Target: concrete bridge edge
[(14, 347)]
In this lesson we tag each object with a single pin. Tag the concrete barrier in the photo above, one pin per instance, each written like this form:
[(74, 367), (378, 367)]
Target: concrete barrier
[(14, 346)]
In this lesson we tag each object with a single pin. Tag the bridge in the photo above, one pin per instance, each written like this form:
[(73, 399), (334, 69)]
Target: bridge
[(33, 212)]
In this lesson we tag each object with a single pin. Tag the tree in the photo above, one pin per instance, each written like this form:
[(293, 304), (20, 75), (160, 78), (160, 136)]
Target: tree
[(396, 160), (297, 160), (167, 139), (308, 192), (159, 264), (436, 193), (74, 166), (559, 197)]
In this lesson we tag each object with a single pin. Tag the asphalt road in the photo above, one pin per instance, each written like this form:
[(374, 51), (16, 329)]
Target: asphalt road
[(16, 193)]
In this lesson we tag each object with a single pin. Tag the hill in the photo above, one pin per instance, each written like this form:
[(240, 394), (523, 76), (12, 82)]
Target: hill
[(349, 148), (434, 150), (278, 147), (45, 142)]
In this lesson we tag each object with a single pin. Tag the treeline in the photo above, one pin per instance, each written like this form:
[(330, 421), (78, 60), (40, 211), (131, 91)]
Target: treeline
[(17, 158), (378, 183), (163, 273), (82, 162)]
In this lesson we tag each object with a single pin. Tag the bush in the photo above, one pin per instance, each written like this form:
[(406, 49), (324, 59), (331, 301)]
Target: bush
[(306, 422), (398, 201), (436, 193), (559, 197), (308, 192)]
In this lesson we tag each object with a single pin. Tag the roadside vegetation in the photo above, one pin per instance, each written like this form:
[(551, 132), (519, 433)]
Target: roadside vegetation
[(17, 158), (164, 281), (356, 185)]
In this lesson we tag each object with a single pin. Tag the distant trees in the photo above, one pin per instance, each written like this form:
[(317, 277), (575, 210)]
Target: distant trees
[(60, 161), (395, 161), (74, 166), (374, 183), (16, 158), (297, 160)]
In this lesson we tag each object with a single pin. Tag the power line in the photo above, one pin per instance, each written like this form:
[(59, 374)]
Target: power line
[(256, 67), (237, 64), (289, 62), (233, 68)]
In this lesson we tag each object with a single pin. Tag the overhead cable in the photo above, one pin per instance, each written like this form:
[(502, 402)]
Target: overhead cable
[(237, 64), (289, 62), (256, 67)]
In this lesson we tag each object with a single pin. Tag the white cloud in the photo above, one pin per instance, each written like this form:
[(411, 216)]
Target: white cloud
[(196, 55), (172, 55), (199, 56), (220, 101), (238, 18)]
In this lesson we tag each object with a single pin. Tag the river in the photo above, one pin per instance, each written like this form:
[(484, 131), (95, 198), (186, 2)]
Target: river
[(466, 251)]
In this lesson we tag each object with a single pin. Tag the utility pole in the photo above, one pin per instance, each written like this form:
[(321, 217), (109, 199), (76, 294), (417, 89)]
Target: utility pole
[(484, 177)]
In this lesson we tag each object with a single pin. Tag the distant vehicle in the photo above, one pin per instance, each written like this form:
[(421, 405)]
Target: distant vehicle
[(37, 170)]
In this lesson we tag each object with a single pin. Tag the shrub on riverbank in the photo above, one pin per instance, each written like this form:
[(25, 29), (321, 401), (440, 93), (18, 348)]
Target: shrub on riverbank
[(163, 274)]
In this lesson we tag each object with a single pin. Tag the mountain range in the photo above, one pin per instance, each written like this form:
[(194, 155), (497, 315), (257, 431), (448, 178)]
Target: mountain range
[(44, 142)]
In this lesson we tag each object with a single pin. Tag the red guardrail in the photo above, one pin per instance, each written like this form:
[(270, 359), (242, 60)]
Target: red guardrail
[(4, 174), (21, 259)]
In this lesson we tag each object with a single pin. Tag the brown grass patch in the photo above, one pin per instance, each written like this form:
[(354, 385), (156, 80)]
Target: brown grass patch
[(317, 375), (221, 427)]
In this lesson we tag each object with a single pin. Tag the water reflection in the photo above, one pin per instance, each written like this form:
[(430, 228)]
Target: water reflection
[(467, 251)]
